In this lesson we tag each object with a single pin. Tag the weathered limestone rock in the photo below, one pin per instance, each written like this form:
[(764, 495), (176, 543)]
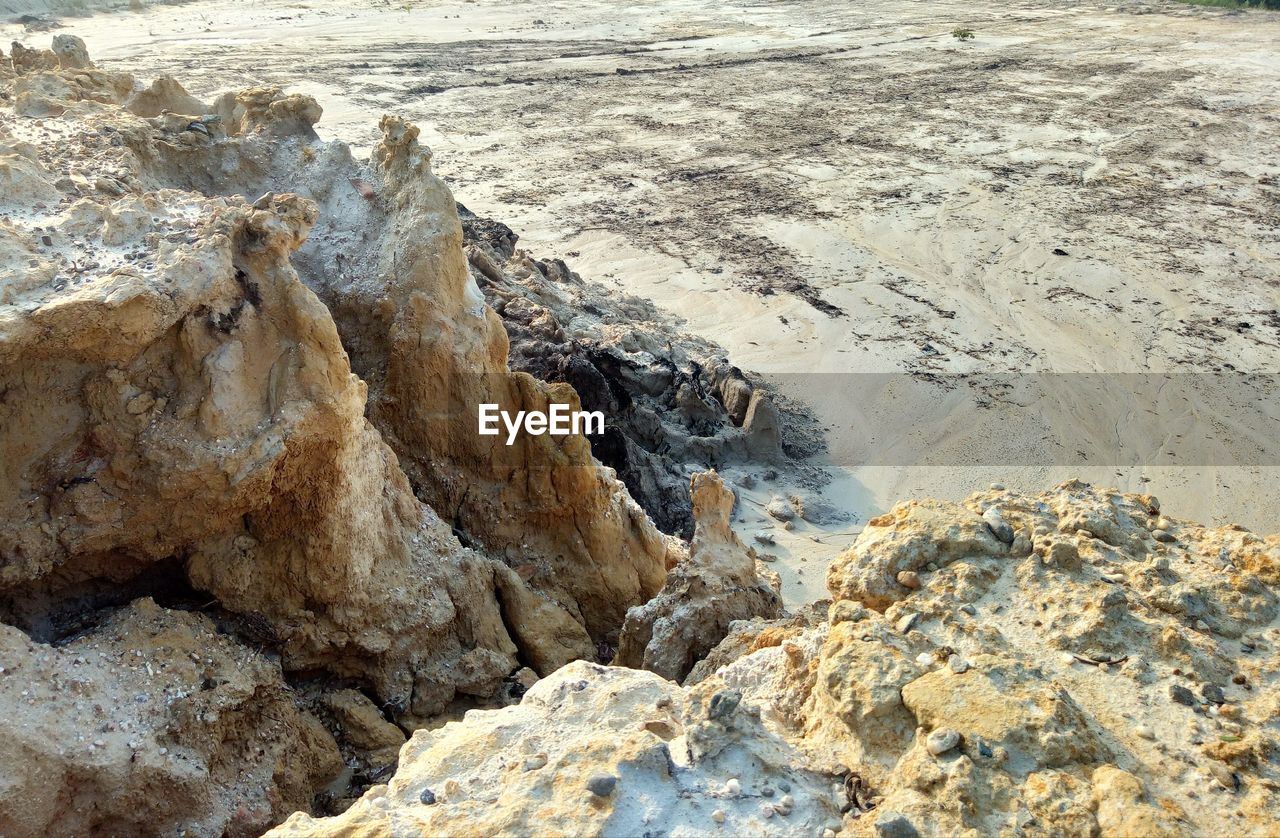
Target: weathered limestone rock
[(1068, 658), (417, 332), (716, 585), (174, 389), (595, 750), (1029, 733), (151, 723), (911, 536), (71, 52)]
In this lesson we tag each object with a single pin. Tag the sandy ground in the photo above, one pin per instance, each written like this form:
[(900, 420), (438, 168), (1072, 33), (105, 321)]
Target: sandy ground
[(831, 190)]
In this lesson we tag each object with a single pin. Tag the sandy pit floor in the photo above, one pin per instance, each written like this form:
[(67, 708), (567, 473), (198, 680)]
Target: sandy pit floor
[(853, 202)]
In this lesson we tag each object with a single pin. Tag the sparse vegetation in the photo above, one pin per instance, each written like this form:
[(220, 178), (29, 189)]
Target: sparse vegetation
[(961, 33)]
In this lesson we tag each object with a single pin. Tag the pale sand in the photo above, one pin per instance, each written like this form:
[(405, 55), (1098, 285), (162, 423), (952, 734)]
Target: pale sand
[(859, 156)]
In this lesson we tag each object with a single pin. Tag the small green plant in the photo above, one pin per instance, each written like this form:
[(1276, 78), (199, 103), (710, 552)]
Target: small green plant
[(962, 33)]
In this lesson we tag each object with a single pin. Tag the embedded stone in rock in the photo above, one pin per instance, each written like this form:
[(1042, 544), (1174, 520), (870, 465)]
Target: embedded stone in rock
[(602, 785), (1213, 694), (1223, 775), (999, 527), (1182, 695), (942, 740), (723, 704), (894, 825)]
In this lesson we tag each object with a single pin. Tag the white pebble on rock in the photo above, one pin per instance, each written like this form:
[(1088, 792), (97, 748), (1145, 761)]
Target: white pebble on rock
[(942, 740)]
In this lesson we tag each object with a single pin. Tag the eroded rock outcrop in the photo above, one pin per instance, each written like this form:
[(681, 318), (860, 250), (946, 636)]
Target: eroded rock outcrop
[(596, 750), (673, 404), (239, 379), (717, 584), (181, 414), (152, 721), (1105, 670), (1096, 666)]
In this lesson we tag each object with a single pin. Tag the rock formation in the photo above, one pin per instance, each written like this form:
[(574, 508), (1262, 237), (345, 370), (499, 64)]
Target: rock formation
[(1111, 671), (151, 718), (673, 403), (717, 584), (179, 416), (252, 537), (596, 750)]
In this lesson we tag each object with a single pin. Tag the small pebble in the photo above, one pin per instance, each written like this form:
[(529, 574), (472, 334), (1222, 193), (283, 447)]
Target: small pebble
[(533, 763), (718, 816), (909, 579), (602, 785), (1182, 695), (958, 664), (784, 786), (723, 704), (969, 609), (766, 810), (1213, 693), (997, 487), (895, 825), (1163, 536), (732, 787), (428, 797), (999, 527), (926, 659), (1223, 775), (1145, 732), (942, 740), (906, 622)]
